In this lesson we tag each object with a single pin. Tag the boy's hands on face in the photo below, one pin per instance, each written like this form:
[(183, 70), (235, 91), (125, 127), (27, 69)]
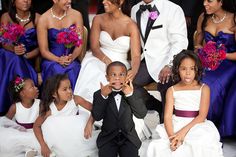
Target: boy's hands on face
[(106, 90), (128, 87)]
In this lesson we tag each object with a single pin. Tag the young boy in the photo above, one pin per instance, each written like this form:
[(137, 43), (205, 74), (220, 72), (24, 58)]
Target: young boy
[(116, 103)]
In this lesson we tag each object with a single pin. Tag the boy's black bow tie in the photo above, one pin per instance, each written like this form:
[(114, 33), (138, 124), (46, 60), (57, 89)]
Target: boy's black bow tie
[(117, 92), (145, 7)]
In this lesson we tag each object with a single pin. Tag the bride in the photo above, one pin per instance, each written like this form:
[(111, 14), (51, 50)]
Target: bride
[(113, 35)]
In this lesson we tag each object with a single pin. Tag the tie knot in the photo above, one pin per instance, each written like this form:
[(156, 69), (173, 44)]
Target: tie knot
[(117, 92), (145, 7)]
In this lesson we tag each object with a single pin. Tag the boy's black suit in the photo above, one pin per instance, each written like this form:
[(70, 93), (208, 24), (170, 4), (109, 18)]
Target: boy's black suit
[(116, 123)]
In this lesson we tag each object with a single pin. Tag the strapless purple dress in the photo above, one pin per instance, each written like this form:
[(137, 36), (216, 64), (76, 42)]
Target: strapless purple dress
[(12, 65), (51, 68), (222, 84)]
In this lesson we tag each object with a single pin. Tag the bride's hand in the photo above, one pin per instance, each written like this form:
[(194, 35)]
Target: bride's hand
[(130, 75), (106, 60)]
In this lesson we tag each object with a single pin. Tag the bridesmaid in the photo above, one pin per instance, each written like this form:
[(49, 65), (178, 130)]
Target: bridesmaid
[(55, 59), (18, 59), (216, 24)]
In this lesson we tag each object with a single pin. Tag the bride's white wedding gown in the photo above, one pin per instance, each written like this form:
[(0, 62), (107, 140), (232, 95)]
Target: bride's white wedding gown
[(93, 72)]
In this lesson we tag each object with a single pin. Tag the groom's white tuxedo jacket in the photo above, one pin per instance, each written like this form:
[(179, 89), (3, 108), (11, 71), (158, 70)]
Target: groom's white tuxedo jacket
[(164, 37)]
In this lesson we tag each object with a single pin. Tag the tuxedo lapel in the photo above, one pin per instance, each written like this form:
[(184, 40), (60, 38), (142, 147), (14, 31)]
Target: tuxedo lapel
[(149, 24), (138, 17)]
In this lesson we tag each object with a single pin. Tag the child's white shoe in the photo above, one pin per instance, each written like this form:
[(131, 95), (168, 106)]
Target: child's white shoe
[(31, 153)]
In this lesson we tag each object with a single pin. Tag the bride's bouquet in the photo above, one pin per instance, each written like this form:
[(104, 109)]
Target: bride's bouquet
[(11, 33), (212, 54), (69, 37)]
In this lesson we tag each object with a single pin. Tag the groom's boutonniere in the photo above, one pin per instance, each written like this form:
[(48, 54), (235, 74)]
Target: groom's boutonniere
[(153, 15)]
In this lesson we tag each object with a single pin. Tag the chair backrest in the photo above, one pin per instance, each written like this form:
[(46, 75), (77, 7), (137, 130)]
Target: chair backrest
[(195, 38), (37, 64), (84, 45)]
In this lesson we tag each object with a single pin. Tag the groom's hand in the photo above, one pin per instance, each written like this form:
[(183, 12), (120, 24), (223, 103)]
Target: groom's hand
[(165, 74)]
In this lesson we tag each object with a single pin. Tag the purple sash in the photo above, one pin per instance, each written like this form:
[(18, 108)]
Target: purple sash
[(181, 113), (26, 125)]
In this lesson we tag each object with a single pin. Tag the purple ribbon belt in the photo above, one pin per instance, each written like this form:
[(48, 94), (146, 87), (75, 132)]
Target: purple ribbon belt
[(181, 113), (26, 125)]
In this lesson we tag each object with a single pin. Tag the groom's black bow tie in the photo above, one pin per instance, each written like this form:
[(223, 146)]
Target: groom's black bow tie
[(145, 7)]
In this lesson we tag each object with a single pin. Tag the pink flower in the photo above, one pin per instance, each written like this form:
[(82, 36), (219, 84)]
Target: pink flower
[(153, 15), (212, 54), (10, 33), (18, 80), (19, 84), (69, 37)]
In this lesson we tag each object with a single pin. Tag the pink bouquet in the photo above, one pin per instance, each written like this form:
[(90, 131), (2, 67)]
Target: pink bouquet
[(69, 37), (212, 54), (10, 33)]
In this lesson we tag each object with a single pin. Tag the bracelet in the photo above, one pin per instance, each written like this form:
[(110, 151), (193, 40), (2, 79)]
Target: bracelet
[(197, 46), (103, 59)]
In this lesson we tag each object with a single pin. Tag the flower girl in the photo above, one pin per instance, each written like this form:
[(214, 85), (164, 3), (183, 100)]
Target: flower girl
[(16, 135), (61, 124), (186, 133)]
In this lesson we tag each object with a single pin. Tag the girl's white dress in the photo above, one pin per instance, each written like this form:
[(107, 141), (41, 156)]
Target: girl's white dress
[(93, 72), (202, 140), (63, 131), (14, 141)]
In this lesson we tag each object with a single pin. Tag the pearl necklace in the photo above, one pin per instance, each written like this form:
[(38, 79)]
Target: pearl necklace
[(219, 21), (23, 20), (56, 17)]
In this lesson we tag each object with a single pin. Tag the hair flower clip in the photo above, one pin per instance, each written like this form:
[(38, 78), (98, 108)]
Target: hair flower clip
[(19, 84), (153, 15)]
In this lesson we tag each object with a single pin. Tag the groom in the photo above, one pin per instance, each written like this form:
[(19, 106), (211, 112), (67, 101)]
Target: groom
[(163, 32)]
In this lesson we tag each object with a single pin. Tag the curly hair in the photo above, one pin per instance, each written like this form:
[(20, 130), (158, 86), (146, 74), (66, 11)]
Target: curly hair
[(178, 60)]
